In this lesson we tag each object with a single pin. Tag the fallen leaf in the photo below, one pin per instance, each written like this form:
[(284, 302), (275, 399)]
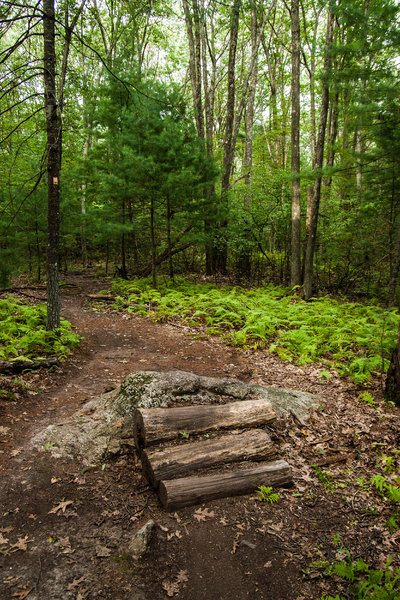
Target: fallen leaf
[(4, 430), (16, 452), (182, 577), (61, 506), (223, 521), (75, 583), (22, 593), (102, 551), (163, 528), (55, 479), (22, 544), (173, 534), (31, 516), (171, 587), (118, 423), (3, 540), (268, 564), (202, 513)]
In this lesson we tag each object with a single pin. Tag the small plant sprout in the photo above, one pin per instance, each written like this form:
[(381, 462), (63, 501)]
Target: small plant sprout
[(324, 376), (325, 478), (336, 540), (367, 398), (184, 435), (265, 494)]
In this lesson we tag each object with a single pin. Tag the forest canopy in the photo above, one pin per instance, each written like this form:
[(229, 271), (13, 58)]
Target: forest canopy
[(256, 139)]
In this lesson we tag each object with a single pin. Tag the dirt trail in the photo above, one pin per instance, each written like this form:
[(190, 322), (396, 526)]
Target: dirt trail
[(64, 531)]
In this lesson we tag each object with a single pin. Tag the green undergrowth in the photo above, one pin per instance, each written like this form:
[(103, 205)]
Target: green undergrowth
[(375, 584), (23, 332), (353, 338)]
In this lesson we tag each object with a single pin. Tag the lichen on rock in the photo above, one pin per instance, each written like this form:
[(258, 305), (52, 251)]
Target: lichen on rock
[(104, 427)]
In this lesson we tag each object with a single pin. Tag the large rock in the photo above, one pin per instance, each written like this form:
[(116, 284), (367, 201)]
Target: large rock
[(103, 427)]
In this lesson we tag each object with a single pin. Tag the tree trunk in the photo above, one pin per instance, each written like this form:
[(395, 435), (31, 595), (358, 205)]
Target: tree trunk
[(319, 160), (392, 389), (53, 166), (169, 245), (395, 266), (220, 245), (194, 37), (295, 265), (244, 259), (83, 209), (153, 245)]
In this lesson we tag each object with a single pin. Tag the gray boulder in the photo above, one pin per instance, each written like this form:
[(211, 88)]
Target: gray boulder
[(103, 427)]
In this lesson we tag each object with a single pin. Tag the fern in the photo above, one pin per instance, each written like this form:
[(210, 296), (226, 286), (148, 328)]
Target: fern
[(23, 332), (357, 340)]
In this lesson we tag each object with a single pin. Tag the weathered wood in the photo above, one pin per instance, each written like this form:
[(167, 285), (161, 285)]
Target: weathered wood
[(177, 493), (331, 460), (9, 367), (155, 424), (101, 297), (169, 463)]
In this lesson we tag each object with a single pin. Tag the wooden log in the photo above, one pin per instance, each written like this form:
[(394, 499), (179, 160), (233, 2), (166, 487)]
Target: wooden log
[(9, 367), (169, 463), (177, 493), (101, 297), (155, 424)]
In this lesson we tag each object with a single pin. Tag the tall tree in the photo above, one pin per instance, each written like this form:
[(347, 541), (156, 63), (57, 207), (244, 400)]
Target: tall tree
[(319, 161), (295, 264), (53, 165)]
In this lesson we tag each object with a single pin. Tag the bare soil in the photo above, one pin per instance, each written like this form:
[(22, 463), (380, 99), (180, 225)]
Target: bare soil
[(64, 530)]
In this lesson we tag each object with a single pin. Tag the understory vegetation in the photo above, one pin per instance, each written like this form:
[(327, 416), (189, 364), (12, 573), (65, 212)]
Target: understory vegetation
[(353, 338), (23, 332)]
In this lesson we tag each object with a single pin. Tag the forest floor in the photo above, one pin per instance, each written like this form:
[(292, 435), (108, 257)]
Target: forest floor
[(64, 530)]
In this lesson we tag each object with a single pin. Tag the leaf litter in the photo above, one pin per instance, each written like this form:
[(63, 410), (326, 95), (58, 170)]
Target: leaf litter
[(317, 512)]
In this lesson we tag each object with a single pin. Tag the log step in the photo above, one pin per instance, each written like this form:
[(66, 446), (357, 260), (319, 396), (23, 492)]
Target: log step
[(186, 491), (169, 463), (152, 425)]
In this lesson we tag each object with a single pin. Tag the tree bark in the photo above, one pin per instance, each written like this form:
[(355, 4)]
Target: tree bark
[(220, 250), (53, 166), (244, 259), (155, 424), (159, 465), (178, 493), (319, 160), (194, 40), (295, 265), (392, 388)]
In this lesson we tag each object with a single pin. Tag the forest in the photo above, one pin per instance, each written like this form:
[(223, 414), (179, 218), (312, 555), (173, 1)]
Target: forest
[(251, 139), (206, 189)]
